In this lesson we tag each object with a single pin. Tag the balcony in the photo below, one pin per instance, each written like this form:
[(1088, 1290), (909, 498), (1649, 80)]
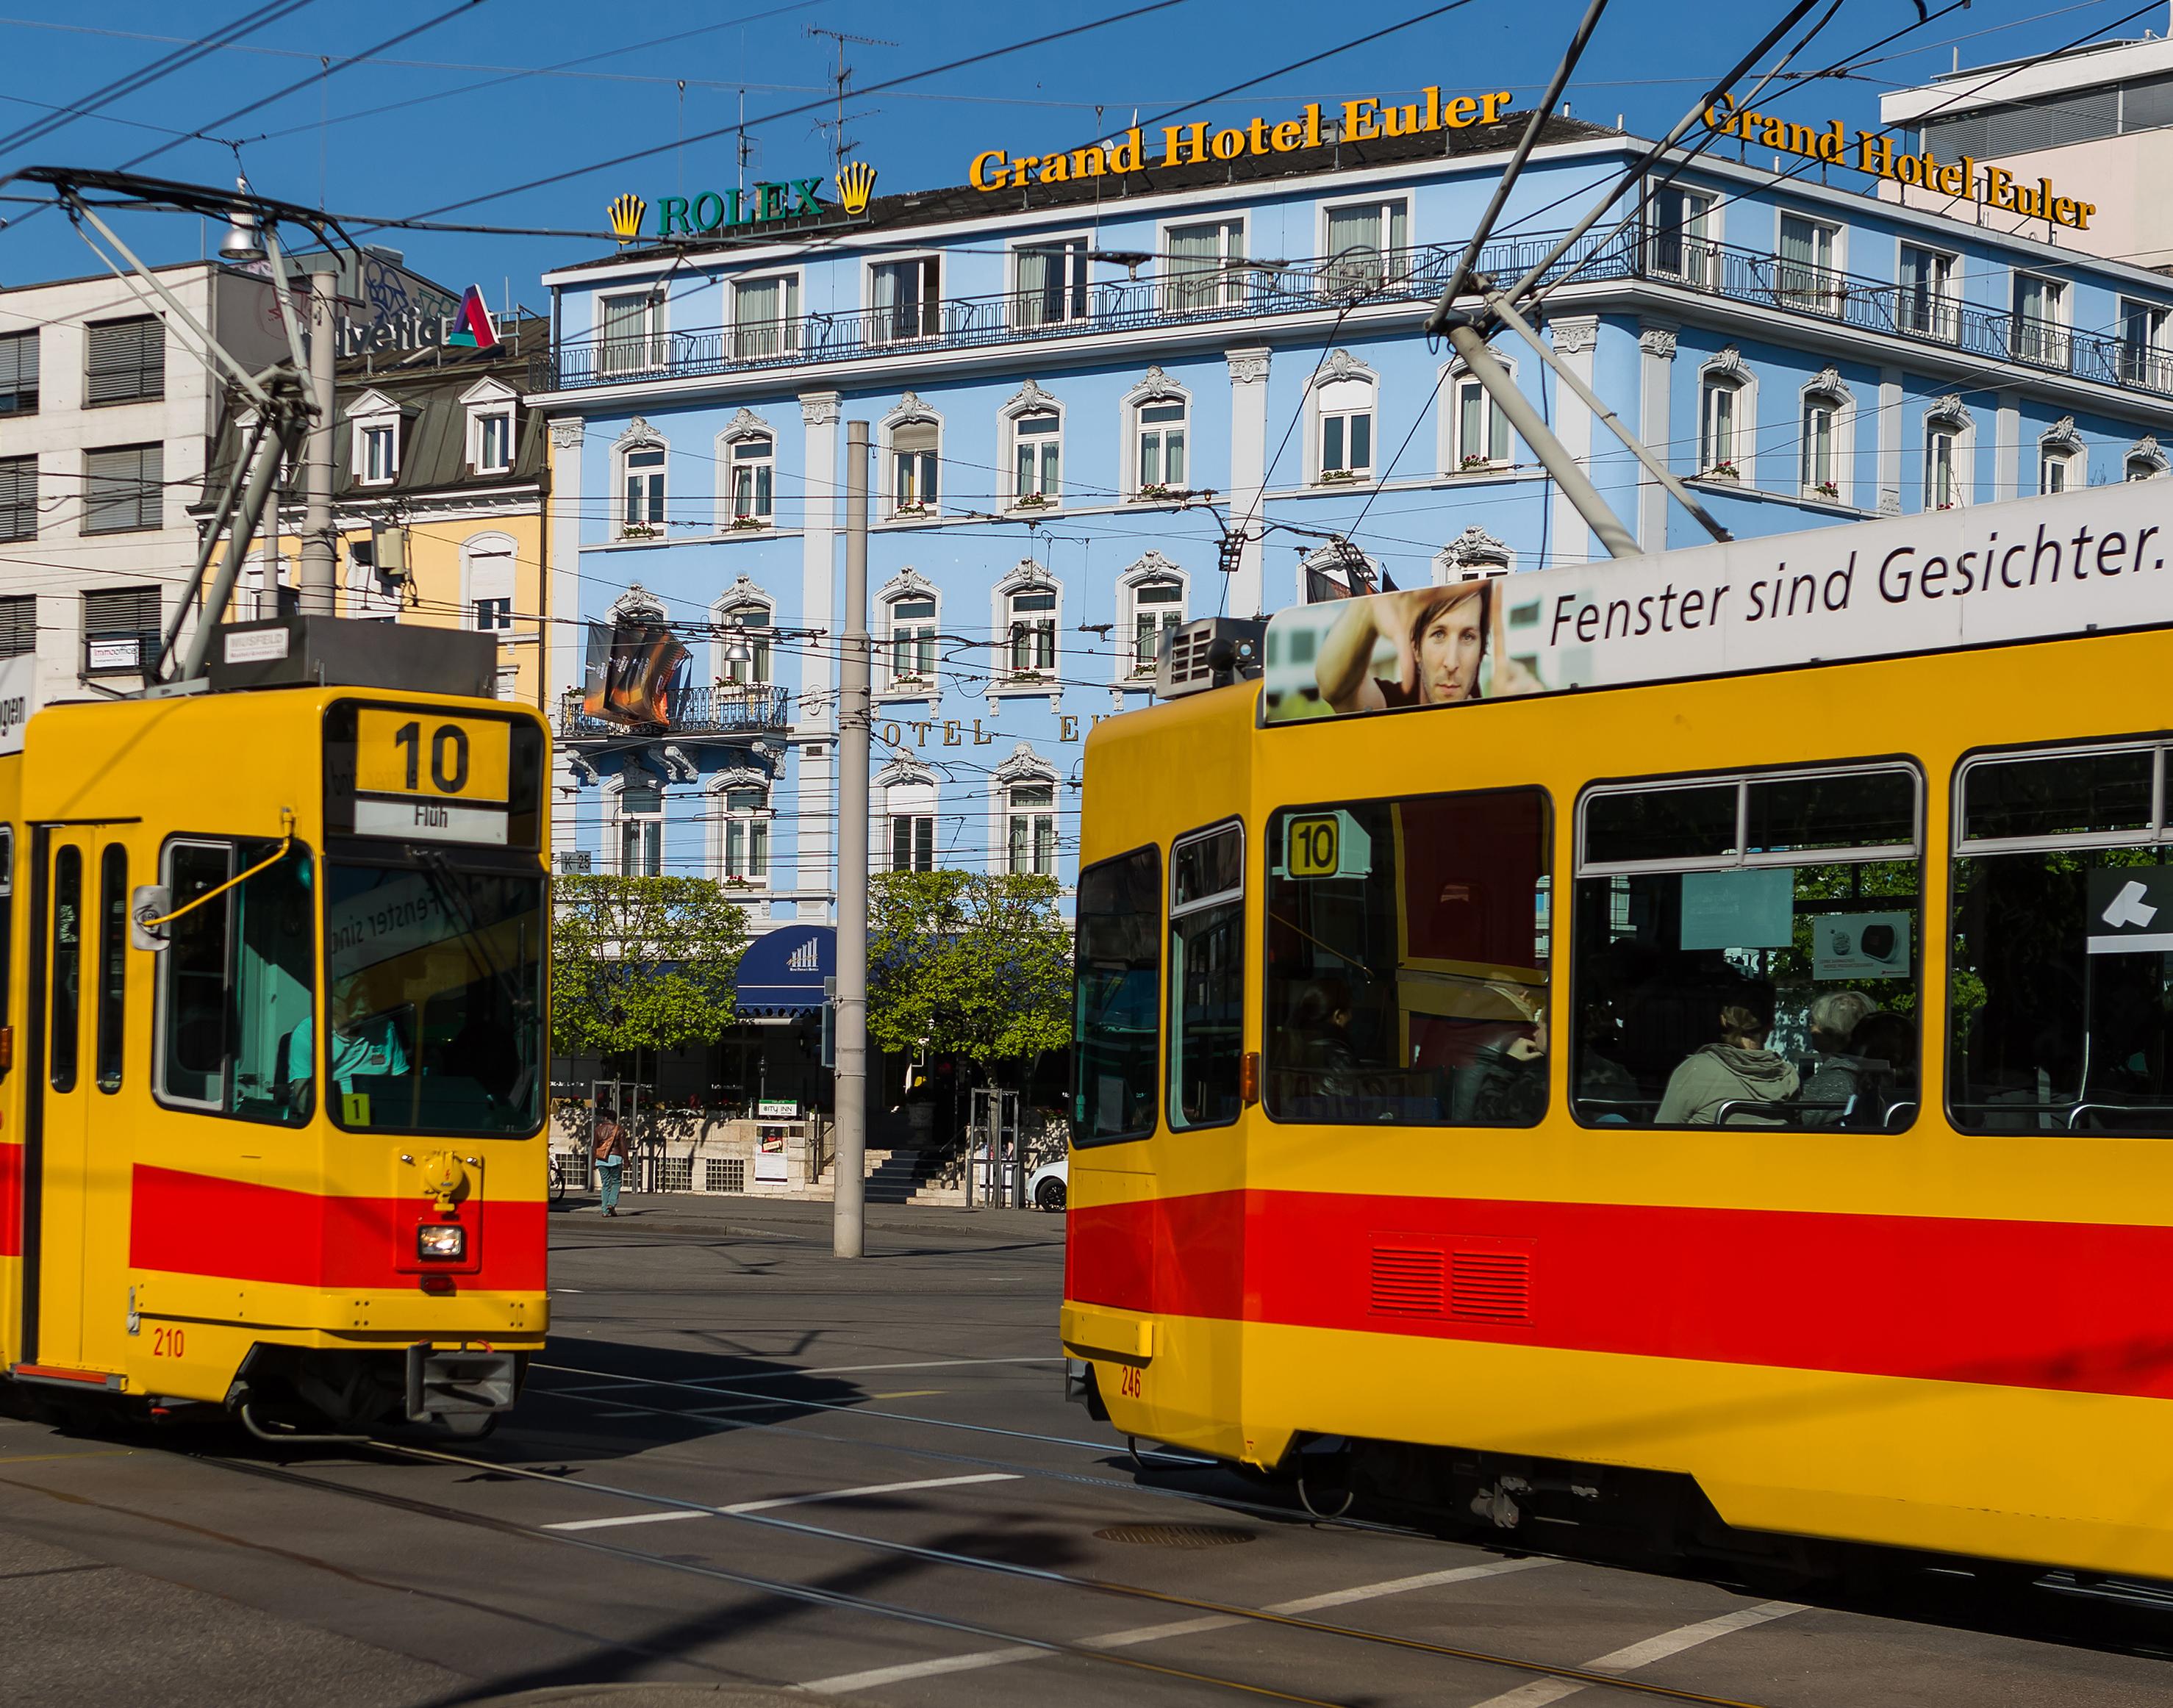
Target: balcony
[(727, 710), (1257, 290)]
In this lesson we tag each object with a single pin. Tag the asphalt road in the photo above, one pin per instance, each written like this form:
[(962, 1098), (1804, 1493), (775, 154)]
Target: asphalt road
[(745, 1468)]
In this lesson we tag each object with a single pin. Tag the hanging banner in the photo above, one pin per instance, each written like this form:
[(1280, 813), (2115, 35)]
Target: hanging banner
[(634, 674), (2075, 562)]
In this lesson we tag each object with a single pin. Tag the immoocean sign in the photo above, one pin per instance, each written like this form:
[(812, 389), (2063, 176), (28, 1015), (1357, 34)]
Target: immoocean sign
[(794, 202), (1871, 152), (1361, 121)]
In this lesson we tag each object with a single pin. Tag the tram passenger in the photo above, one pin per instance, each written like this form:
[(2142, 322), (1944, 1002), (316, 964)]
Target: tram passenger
[(1739, 1069), (1319, 1033), (1836, 1079), (362, 1046), (1885, 1046)]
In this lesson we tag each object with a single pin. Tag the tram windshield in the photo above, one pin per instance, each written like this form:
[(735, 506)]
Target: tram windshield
[(435, 999)]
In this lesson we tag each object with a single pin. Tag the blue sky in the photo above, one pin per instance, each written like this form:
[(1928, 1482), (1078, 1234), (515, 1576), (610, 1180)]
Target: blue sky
[(460, 112)]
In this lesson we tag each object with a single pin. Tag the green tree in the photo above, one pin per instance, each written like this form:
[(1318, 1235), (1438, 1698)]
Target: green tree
[(641, 963), (971, 964)]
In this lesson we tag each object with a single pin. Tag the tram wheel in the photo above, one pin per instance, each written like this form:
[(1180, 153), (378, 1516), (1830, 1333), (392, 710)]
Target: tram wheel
[(469, 1426)]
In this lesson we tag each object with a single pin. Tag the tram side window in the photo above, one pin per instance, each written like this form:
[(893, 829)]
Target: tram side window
[(1748, 952), (7, 921), (237, 975), (1408, 945), (112, 962), (1118, 998), (67, 966), (2060, 1002), (1207, 977)]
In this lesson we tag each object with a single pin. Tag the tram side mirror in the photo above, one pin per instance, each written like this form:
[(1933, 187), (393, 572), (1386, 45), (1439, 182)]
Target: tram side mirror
[(149, 902)]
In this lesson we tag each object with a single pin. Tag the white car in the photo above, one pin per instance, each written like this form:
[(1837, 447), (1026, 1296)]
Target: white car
[(1047, 1187)]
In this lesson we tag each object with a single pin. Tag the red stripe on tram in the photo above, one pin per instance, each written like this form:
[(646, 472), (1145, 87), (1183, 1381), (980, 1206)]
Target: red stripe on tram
[(200, 1225), (2077, 1306), (11, 1200)]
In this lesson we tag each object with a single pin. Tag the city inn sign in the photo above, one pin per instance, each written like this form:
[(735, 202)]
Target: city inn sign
[(794, 203)]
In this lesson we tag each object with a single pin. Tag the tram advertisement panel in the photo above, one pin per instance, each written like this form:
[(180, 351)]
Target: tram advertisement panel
[(2093, 559)]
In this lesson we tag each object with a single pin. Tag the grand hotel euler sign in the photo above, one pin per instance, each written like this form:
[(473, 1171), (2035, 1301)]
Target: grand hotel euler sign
[(1961, 179), (1362, 120)]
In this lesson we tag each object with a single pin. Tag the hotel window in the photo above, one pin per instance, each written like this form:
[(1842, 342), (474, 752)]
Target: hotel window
[(1052, 281), (746, 646), (1807, 279), (912, 842), (754, 478), (765, 317), (2040, 332), (2059, 466), (747, 836), (916, 448), (1030, 810), (1346, 428), (1200, 276), (907, 298), (1942, 482), (490, 589), (18, 497), (633, 333), (1681, 241), (1032, 612), (2144, 463), (1820, 459), (1482, 430), (1367, 244), (1720, 408), (912, 641), (645, 489), (1160, 448), (124, 489), (641, 832), (493, 441), (1157, 610), (1927, 293), (18, 373), (2145, 359), (127, 360), (1037, 448)]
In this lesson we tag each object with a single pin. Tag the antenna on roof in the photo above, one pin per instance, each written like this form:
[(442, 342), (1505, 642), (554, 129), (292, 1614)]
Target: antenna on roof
[(840, 147)]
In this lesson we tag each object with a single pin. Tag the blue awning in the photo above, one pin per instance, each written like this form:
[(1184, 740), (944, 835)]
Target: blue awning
[(783, 971)]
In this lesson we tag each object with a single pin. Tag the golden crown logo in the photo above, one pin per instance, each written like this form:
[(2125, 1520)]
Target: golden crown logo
[(626, 211), (855, 184)]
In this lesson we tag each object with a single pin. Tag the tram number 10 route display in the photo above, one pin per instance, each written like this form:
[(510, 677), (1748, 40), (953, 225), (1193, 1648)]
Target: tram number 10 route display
[(2089, 561)]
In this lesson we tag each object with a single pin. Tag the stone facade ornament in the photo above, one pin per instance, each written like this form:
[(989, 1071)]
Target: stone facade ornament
[(820, 408), (1248, 367), (567, 432), (1658, 340), (1024, 766), (1575, 337)]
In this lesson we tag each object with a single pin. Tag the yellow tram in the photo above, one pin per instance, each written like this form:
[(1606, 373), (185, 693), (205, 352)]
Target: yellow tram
[(272, 1068), (1547, 1044)]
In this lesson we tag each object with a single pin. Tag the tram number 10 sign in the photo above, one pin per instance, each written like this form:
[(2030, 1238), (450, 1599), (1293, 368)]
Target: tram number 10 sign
[(424, 775)]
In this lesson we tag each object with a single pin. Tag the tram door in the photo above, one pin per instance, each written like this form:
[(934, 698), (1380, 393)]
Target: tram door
[(79, 1206)]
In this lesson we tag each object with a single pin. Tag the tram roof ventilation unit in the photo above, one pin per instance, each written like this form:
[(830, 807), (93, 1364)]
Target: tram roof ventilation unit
[(293, 652), (1210, 652)]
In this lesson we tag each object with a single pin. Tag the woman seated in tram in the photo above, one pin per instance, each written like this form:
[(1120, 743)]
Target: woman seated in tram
[(1739, 1069)]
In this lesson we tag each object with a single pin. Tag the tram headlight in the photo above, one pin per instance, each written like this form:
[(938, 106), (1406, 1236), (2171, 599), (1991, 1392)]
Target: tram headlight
[(444, 1242)]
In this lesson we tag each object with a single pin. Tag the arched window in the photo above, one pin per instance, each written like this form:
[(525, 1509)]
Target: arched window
[(638, 816), (1726, 416), (1948, 439), (1823, 445), (744, 616), (1343, 402), (909, 807), (1033, 421), (2144, 460), (2061, 464), (1157, 428), (1474, 555), (1336, 570), (746, 458), (1480, 441), (642, 462), (913, 434), (487, 581), (910, 611), (1032, 629), (1150, 596), (745, 839)]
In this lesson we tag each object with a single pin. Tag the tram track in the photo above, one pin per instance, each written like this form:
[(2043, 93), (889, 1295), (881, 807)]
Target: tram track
[(1087, 1649)]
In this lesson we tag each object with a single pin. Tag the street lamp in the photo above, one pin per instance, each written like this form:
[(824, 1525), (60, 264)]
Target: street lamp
[(243, 242)]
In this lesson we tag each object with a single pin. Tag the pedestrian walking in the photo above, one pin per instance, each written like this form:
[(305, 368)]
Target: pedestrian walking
[(609, 1149)]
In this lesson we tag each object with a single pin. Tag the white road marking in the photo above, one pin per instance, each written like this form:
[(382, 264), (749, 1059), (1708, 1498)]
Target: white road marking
[(665, 1518), (1541, 1691), (858, 1369), (845, 1683)]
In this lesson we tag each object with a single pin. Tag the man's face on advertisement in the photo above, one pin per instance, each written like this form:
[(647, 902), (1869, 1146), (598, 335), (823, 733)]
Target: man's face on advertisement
[(1448, 654)]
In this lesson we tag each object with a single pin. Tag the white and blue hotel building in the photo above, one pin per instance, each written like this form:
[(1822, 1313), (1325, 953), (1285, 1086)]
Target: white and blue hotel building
[(1100, 406)]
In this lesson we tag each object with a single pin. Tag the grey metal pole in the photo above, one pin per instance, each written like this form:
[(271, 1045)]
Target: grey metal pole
[(1659, 471), (318, 573), (1536, 433), (261, 480), (847, 1217)]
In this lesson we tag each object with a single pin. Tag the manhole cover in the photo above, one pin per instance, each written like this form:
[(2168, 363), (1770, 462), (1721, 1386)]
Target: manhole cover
[(1174, 1535)]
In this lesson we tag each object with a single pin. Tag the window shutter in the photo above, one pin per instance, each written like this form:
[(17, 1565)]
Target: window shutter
[(124, 488), (127, 359), (18, 497), (19, 372), (18, 625), (121, 611), (490, 575)]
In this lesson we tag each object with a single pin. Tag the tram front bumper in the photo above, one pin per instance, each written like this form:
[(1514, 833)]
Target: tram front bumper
[(459, 1384)]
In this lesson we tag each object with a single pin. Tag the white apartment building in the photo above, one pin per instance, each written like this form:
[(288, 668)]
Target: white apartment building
[(107, 417)]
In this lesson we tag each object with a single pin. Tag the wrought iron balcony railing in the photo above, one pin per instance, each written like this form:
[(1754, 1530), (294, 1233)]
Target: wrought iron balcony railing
[(1246, 290), (727, 710)]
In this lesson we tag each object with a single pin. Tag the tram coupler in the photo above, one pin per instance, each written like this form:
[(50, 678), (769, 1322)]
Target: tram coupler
[(459, 1384)]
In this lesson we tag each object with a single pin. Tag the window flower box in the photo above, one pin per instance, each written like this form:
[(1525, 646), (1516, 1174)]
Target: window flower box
[(1157, 492), (1828, 490), (641, 530), (1476, 464), (912, 509), (749, 523), (1030, 501), (1332, 476), (1725, 472)]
